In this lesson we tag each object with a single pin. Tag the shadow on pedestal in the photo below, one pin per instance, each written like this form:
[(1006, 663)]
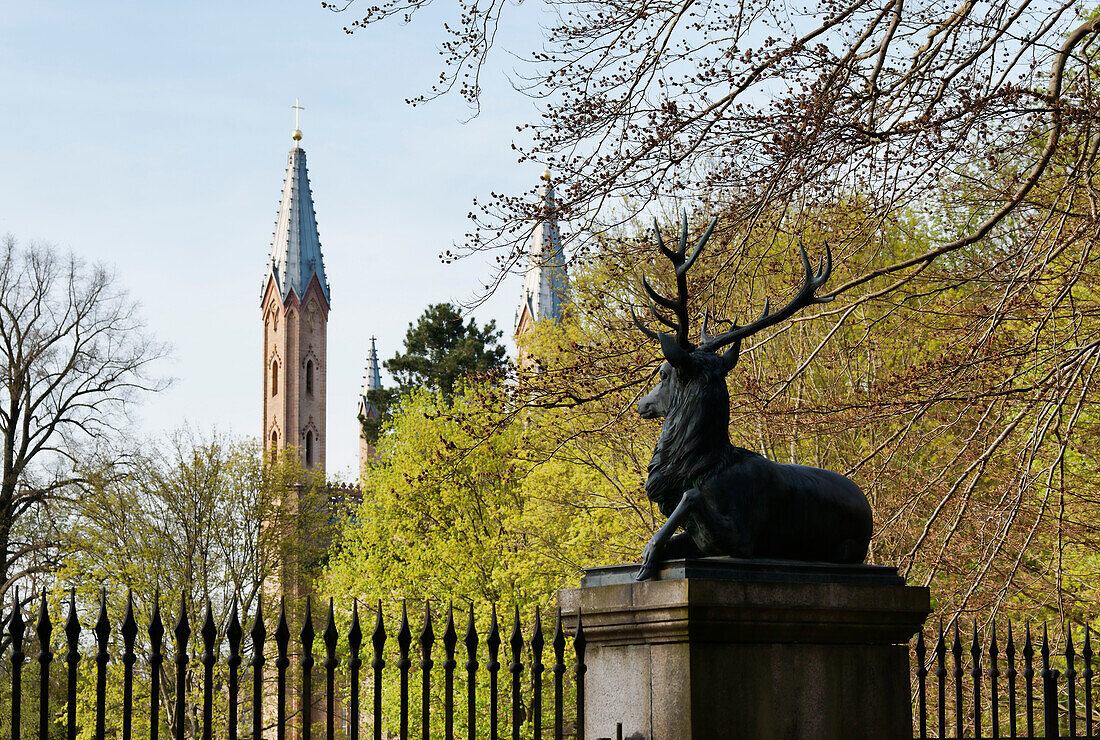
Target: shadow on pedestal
[(729, 648)]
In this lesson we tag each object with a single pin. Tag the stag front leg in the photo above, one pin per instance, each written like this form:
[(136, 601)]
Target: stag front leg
[(657, 543)]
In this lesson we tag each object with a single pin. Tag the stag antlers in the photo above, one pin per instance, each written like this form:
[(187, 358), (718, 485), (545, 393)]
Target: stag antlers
[(682, 263)]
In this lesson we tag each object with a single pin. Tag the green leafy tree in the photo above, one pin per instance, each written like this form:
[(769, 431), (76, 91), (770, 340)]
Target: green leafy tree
[(466, 504), (202, 520), (441, 352)]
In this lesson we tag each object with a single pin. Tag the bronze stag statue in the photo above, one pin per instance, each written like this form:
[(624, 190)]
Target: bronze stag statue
[(729, 500)]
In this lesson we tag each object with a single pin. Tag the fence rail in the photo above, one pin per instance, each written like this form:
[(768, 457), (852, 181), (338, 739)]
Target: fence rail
[(273, 713), (989, 705)]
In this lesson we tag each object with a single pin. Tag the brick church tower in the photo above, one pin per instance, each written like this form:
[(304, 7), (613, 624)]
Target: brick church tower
[(295, 306)]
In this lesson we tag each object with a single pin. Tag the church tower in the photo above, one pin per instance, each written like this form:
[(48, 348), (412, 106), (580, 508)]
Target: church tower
[(546, 282), (295, 306), (372, 381)]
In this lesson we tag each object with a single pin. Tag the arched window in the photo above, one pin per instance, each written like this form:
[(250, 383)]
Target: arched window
[(274, 447), (309, 449), (309, 377), (274, 377)]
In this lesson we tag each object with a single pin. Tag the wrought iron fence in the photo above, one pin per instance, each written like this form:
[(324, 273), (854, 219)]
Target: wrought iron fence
[(1012, 683), (256, 711), (984, 690)]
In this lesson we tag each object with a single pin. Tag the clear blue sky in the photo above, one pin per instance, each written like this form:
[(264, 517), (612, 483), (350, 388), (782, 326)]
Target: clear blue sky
[(152, 137)]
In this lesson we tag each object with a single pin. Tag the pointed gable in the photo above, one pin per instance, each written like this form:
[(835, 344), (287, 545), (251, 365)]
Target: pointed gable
[(296, 250)]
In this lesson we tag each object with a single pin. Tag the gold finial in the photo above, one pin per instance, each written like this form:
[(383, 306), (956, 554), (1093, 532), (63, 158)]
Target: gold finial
[(546, 174), (297, 135)]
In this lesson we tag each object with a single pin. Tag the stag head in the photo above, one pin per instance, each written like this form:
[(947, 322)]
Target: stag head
[(683, 358)]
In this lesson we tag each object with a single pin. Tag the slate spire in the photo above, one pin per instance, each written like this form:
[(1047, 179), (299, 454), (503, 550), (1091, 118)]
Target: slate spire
[(372, 376), (546, 282), (296, 250)]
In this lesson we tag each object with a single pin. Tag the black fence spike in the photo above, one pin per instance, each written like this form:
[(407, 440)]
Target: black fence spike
[(306, 663), (450, 641), (233, 634), (537, 669), (492, 641), (404, 640), (559, 676), (1050, 690), (258, 633), (209, 633), (182, 631), (1071, 681), (378, 640), (129, 630), (515, 667), (102, 632), (330, 637), (941, 679), (282, 662), (355, 642), (16, 630), (956, 652), (426, 640), (43, 629), (156, 663), (1010, 677), (976, 680), (1086, 658), (1029, 676), (994, 674), (72, 657), (471, 641)]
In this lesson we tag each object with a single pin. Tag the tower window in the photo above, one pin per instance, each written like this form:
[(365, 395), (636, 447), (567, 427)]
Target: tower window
[(274, 377), (309, 449), (309, 377), (274, 447)]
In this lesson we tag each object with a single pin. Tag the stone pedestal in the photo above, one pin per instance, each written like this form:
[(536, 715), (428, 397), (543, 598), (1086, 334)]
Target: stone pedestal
[(727, 648)]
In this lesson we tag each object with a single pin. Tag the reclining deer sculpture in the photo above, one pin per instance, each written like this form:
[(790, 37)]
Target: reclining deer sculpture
[(729, 500)]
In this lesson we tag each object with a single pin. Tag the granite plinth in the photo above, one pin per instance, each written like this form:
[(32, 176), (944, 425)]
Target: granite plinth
[(729, 648)]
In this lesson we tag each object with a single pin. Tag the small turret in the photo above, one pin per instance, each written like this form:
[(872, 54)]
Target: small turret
[(372, 381)]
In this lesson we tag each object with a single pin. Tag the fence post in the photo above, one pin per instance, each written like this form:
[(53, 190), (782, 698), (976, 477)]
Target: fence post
[(259, 635), (102, 635), (427, 639), (129, 634), (156, 660), (43, 629), (331, 662), (234, 633), (1050, 691), (183, 634), (16, 628), (306, 662)]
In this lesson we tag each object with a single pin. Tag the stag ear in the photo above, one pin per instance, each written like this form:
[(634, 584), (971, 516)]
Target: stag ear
[(673, 352), (731, 355)]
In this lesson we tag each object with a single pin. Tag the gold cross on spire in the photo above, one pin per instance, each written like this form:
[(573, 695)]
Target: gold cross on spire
[(297, 135)]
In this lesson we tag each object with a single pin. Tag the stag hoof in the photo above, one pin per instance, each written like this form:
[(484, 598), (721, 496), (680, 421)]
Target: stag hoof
[(650, 559)]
